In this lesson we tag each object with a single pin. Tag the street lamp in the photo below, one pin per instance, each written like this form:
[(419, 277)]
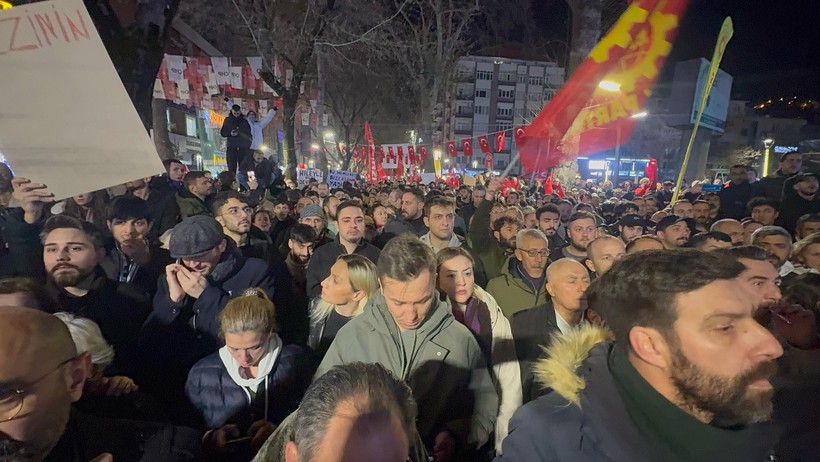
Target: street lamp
[(639, 115), (767, 143), (617, 173), (329, 135)]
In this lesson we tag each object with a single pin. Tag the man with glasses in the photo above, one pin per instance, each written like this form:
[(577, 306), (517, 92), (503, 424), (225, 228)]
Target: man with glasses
[(521, 282), (184, 325), (532, 329), (41, 374)]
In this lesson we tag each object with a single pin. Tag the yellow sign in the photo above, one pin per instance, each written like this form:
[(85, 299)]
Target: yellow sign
[(5, 5)]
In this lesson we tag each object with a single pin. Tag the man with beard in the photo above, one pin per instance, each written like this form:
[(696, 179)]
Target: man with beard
[(565, 207), (673, 231), (350, 223), (701, 212), (184, 325), (493, 238), (772, 186), (630, 226), (807, 225), (651, 206), (549, 219), (533, 328), (329, 205), (42, 375), (191, 199), (521, 282), (801, 195), (282, 219), (312, 216), (410, 218), (686, 378), (731, 227), (302, 238), (440, 217), (581, 230), (132, 256), (778, 242), (161, 208)]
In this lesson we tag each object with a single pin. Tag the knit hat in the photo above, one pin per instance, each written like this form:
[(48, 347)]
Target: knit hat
[(195, 236), (311, 210)]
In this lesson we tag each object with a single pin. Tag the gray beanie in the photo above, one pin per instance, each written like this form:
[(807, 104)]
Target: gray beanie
[(195, 236), (312, 210)]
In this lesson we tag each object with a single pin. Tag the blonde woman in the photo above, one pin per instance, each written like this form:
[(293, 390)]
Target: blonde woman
[(807, 253), (478, 311), (252, 383), (352, 281)]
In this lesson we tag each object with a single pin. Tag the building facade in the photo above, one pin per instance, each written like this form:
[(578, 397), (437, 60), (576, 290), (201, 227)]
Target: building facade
[(493, 95)]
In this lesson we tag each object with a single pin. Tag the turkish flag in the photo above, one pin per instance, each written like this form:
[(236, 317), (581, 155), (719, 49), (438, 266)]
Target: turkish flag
[(583, 117), (500, 139), (423, 152), (411, 153), (391, 155), (467, 147), (451, 148), (548, 189), (651, 172), (488, 161), (484, 145)]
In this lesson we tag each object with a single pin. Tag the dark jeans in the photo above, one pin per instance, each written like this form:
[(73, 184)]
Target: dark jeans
[(234, 157)]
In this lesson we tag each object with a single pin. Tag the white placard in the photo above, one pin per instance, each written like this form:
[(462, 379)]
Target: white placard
[(50, 76), (303, 176), (222, 70), (236, 77), (176, 67), (335, 178), (427, 178), (159, 92), (256, 66)]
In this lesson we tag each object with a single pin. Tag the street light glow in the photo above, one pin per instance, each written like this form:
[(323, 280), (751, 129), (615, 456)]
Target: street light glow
[(609, 85), (639, 115), (314, 147), (768, 141), (329, 135)]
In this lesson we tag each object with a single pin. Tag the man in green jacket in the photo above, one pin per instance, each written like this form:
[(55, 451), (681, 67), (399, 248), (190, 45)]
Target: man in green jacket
[(495, 248), (406, 329), (192, 199), (522, 282)]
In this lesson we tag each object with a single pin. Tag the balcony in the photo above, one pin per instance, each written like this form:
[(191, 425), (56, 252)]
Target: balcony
[(465, 96), (463, 130), (464, 112)]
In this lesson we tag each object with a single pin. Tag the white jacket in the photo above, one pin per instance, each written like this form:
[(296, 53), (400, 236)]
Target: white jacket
[(506, 372), (257, 126)]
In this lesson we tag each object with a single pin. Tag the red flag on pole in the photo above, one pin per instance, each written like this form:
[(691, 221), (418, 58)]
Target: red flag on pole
[(372, 171), (411, 153), (594, 108), (500, 139), (451, 148), (400, 161), (488, 161), (548, 185), (484, 144), (467, 147), (423, 152)]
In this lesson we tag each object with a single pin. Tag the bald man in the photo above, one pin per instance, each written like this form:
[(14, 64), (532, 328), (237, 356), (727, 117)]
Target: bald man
[(533, 328), (645, 242), (603, 252), (41, 374), (731, 227)]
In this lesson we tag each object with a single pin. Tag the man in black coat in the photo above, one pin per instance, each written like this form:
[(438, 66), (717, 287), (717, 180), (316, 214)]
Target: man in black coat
[(37, 355), (772, 186), (733, 198), (238, 132)]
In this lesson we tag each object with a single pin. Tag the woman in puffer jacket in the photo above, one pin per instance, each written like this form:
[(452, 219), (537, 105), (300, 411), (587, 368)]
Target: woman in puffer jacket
[(479, 312), (251, 384)]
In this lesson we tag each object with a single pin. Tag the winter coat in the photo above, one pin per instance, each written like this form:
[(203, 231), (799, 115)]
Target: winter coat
[(488, 249), (220, 400), (162, 210), (506, 373), (399, 226), (733, 200), (190, 205), (86, 437), (532, 330), (178, 334), (793, 206), (514, 293), (256, 129), (584, 418), (244, 138), (770, 186), (447, 371), (143, 276), (325, 256), (263, 171)]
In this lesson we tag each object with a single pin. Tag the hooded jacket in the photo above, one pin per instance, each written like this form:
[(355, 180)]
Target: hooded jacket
[(584, 418), (445, 370), (506, 373), (221, 395), (513, 292)]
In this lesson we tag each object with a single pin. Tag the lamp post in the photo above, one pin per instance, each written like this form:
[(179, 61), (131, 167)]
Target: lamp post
[(767, 143), (617, 173)]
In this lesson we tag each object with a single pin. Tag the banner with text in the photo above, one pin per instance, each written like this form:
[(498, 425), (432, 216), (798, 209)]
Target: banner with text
[(335, 178)]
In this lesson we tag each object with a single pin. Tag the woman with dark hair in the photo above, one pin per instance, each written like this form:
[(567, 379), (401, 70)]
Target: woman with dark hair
[(88, 207)]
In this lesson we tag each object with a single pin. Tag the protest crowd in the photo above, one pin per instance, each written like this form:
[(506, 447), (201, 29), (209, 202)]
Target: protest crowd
[(191, 317)]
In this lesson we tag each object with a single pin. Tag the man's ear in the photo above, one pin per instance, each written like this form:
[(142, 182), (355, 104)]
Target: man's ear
[(588, 263), (108, 223), (291, 452), (223, 245), (497, 235), (78, 372), (651, 347), (426, 221)]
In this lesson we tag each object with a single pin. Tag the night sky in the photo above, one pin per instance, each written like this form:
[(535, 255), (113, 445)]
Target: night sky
[(775, 50)]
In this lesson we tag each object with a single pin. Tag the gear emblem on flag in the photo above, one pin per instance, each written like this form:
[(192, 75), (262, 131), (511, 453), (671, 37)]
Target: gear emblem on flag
[(646, 65)]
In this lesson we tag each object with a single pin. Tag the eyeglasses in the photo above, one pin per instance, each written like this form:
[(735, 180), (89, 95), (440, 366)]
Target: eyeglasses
[(235, 212), (11, 401), (534, 253)]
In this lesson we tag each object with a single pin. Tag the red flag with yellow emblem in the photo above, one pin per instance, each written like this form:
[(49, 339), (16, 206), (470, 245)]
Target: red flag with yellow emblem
[(593, 110)]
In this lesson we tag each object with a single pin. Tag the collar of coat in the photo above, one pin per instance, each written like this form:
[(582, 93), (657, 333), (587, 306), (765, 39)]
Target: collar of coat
[(438, 317), (564, 357)]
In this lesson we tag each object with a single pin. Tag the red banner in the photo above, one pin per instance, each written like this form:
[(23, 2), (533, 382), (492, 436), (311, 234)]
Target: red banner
[(451, 148), (500, 139), (423, 153), (372, 172), (467, 147), (593, 110), (488, 161), (411, 153), (484, 144)]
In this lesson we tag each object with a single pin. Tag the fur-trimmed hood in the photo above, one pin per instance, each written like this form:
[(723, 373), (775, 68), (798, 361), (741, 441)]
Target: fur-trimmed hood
[(559, 370)]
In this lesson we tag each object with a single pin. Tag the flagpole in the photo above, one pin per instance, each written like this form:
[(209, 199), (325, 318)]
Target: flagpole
[(726, 32)]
